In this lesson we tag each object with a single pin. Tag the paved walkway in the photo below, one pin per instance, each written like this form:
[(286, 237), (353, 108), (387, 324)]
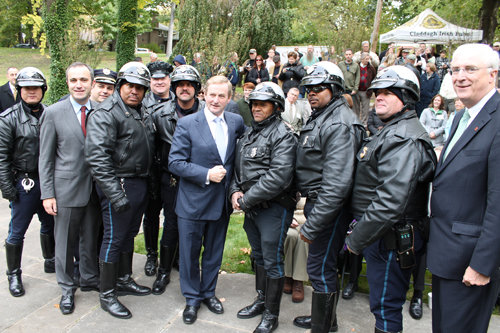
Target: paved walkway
[(37, 310)]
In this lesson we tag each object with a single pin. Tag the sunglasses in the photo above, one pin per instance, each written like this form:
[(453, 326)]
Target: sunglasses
[(315, 89)]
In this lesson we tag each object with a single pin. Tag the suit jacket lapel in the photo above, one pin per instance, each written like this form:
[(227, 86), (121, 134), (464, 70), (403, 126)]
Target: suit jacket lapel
[(482, 118), (231, 140), (70, 117), (204, 129)]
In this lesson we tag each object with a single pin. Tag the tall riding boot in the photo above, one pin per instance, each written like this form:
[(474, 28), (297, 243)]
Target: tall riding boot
[(274, 291), (108, 294), (151, 244), (167, 255), (258, 306), (48, 245), (126, 285), (323, 309), (316, 310), (13, 253)]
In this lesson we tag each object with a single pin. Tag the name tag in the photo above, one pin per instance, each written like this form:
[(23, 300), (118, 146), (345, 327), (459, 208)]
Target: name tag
[(440, 116)]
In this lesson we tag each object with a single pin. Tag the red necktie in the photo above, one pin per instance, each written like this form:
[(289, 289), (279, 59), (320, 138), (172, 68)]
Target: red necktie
[(84, 119)]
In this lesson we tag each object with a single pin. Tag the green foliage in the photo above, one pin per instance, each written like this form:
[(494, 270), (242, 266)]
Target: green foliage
[(56, 27), (127, 27), (153, 47), (219, 28)]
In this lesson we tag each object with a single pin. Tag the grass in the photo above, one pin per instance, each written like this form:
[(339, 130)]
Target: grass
[(20, 58), (236, 258)]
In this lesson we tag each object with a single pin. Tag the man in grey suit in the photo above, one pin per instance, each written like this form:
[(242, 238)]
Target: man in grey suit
[(66, 185)]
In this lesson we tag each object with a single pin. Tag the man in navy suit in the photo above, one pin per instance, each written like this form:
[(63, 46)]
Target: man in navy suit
[(8, 92), (202, 155), (464, 244)]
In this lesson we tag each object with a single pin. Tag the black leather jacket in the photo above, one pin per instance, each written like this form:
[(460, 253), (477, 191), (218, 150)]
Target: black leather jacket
[(264, 163), (291, 78), (19, 147), (119, 144), (165, 118), (326, 162), (395, 168)]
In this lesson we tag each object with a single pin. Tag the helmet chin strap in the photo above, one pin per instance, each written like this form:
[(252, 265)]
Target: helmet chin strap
[(405, 108)]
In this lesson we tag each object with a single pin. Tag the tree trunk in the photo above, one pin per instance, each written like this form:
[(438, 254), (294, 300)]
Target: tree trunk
[(171, 29), (488, 21), (126, 39)]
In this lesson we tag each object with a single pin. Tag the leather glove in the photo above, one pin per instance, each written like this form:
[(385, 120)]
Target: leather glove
[(122, 205), (247, 209), (12, 195)]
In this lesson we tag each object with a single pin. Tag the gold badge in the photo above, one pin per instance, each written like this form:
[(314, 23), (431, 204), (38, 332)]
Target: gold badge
[(365, 149)]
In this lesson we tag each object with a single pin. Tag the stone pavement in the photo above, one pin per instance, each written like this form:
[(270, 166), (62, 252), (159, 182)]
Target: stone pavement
[(37, 310)]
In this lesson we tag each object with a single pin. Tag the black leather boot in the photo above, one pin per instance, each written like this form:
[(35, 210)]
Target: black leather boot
[(13, 253), (323, 312), (151, 244), (258, 306), (316, 309), (167, 255), (48, 251), (274, 291), (108, 294), (126, 285)]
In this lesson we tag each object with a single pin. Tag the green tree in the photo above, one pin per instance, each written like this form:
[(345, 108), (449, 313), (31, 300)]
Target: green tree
[(55, 14), (11, 29), (127, 26)]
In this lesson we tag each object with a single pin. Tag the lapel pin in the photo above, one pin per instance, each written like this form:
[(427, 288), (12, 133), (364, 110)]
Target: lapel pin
[(475, 129)]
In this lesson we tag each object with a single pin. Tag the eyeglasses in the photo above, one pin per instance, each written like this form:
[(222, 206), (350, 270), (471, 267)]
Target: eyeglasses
[(467, 70), (315, 89), (259, 60)]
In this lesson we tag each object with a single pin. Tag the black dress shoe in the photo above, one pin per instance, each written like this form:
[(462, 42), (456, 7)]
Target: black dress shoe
[(127, 286), (416, 310), (214, 305), (90, 288), (303, 322), (190, 314), (67, 304), (349, 290)]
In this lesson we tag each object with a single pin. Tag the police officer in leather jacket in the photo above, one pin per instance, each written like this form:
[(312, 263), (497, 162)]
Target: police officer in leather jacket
[(157, 98), (119, 151), (391, 196), (19, 181), (185, 83), (262, 186), (326, 162)]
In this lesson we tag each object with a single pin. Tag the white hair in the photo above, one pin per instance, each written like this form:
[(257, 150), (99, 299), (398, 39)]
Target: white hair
[(365, 42), (481, 51)]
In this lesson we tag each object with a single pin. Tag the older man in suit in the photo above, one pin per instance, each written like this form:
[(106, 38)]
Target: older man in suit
[(464, 244), (202, 155), (66, 185), (8, 92)]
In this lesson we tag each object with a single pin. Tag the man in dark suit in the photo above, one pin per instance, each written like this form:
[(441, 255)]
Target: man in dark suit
[(464, 244), (8, 92), (66, 185), (202, 155)]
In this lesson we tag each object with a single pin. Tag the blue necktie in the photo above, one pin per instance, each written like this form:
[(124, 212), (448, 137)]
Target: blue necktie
[(462, 126), (220, 139)]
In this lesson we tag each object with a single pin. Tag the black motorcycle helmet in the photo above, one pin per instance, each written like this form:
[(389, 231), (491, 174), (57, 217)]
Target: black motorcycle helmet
[(134, 72), (185, 73), (269, 91)]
